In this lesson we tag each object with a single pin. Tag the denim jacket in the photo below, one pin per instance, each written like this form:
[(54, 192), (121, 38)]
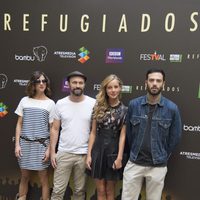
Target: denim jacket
[(165, 130)]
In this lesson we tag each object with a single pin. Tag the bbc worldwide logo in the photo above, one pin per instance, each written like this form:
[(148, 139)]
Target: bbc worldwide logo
[(114, 55)]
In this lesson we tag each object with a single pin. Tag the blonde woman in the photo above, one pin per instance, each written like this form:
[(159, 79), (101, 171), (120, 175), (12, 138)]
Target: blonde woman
[(107, 138)]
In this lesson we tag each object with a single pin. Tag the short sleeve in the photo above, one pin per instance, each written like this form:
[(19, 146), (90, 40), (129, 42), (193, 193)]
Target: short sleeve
[(51, 112), (56, 114), (125, 115), (19, 110)]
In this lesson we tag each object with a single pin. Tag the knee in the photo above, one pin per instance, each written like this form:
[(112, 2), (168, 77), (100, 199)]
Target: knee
[(25, 178), (57, 195), (44, 181), (109, 191), (101, 191), (79, 191)]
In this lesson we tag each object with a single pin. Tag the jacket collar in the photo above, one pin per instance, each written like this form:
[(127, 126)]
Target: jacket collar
[(145, 102)]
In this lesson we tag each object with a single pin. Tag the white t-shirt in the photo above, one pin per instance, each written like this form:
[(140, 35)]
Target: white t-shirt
[(37, 114), (27, 102), (75, 123)]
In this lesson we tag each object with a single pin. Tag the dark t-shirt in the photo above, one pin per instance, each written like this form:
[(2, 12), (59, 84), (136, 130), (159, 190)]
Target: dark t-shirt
[(145, 156)]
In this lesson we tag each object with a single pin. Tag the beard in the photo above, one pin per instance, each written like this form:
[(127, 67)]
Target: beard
[(154, 91), (77, 92)]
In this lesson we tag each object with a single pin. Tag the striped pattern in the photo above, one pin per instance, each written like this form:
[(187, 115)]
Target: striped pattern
[(35, 125)]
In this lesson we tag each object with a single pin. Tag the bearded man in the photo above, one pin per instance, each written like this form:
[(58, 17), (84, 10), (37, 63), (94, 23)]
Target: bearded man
[(153, 129), (73, 114)]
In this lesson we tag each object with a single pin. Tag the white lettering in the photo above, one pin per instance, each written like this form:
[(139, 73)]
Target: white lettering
[(104, 23), (194, 21), (25, 22), (191, 128), (97, 87), (123, 25), (170, 16), (84, 25), (7, 19), (146, 20), (63, 25), (43, 22)]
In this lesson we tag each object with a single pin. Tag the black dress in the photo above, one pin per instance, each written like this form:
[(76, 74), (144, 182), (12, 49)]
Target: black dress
[(107, 142)]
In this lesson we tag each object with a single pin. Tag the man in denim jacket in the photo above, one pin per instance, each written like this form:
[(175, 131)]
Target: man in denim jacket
[(153, 130)]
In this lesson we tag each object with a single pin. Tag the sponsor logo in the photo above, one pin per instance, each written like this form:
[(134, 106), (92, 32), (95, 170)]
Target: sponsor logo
[(21, 82), (96, 87), (194, 56), (24, 58), (65, 54), (65, 86), (175, 57), (83, 55), (152, 57), (39, 54), (190, 128), (199, 92), (125, 88), (3, 110), (190, 155), (114, 55), (3, 81), (130, 88), (166, 88)]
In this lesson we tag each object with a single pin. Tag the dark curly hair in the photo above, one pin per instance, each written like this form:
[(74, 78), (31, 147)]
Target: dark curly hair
[(154, 70), (30, 88)]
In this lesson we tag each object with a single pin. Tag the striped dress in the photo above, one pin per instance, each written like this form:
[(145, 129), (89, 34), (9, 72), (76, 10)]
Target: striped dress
[(36, 115)]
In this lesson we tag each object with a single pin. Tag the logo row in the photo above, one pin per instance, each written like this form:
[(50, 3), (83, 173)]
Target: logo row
[(40, 54), (96, 87), (112, 55)]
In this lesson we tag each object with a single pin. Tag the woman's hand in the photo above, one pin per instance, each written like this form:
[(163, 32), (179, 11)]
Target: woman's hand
[(46, 155), (53, 160), (88, 162), (18, 152), (117, 164)]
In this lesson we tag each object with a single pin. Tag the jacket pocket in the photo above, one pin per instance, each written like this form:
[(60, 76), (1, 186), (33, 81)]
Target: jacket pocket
[(135, 121), (164, 127), (165, 124), (135, 126)]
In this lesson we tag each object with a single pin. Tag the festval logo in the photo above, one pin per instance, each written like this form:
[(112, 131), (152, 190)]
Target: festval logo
[(152, 57), (83, 55), (3, 110)]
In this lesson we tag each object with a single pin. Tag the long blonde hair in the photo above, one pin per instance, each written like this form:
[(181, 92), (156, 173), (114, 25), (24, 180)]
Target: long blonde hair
[(102, 98)]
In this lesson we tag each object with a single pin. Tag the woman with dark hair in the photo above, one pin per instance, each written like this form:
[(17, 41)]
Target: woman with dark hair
[(35, 116), (107, 138)]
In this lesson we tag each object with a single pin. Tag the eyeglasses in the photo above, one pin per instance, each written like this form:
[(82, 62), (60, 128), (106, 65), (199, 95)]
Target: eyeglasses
[(40, 81)]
